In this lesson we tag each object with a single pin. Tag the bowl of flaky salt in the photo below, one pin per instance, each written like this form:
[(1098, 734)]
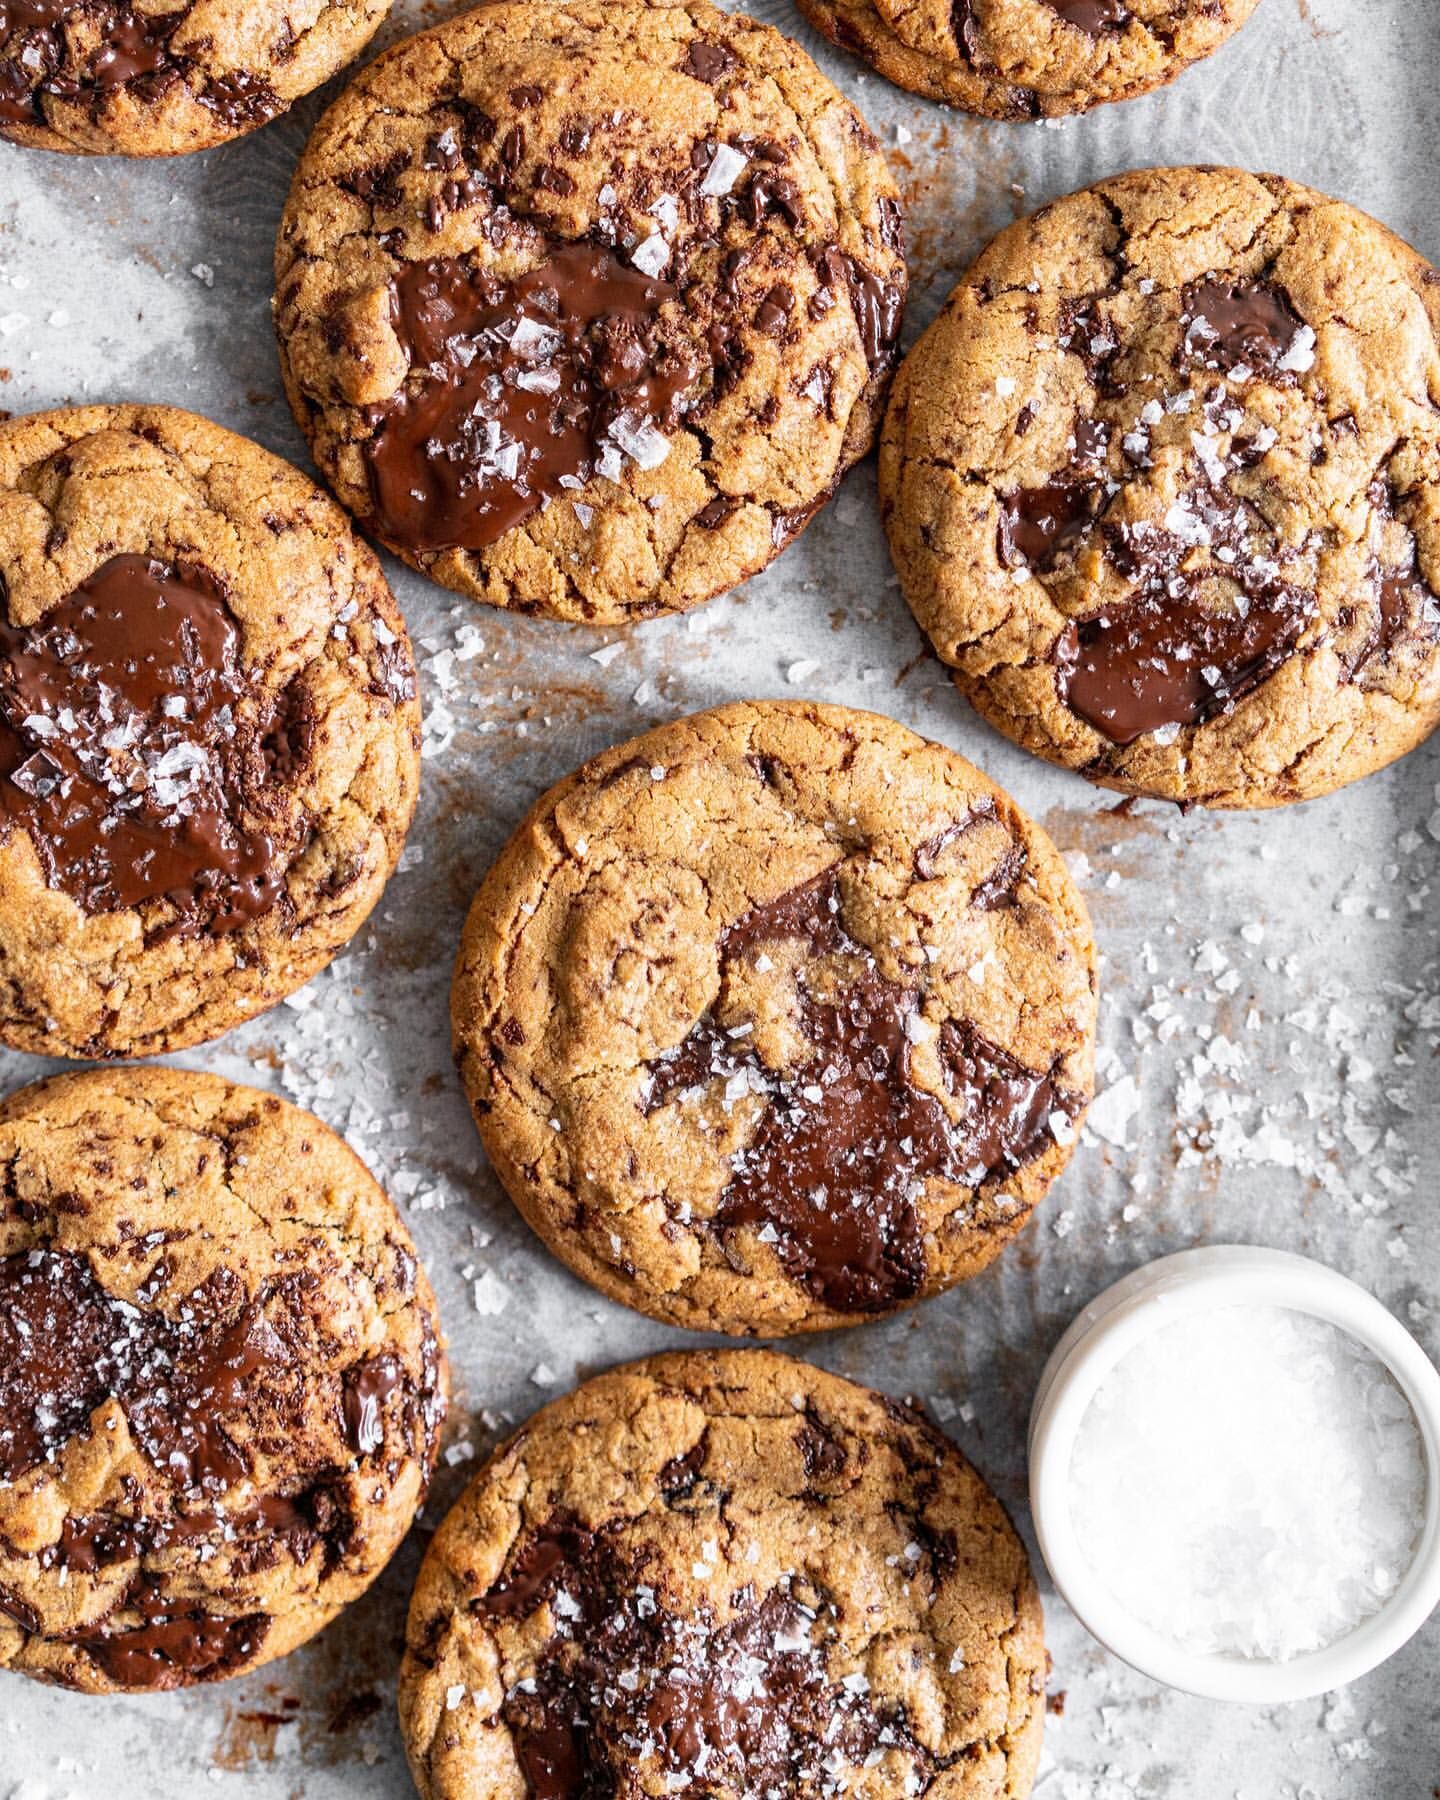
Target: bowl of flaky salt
[(1235, 1475)]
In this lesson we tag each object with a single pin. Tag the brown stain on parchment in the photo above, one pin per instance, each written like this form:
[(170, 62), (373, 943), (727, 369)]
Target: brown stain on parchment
[(1317, 30), (960, 183), (249, 1735)]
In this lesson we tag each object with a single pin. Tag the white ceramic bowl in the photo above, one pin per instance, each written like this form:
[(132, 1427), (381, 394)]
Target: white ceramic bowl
[(1111, 1326)]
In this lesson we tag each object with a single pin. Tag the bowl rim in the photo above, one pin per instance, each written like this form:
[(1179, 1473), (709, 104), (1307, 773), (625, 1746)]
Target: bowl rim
[(1112, 1325)]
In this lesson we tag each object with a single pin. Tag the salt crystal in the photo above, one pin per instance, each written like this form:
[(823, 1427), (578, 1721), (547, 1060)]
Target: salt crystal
[(640, 440), (1249, 1482), (1112, 1111), (490, 1295), (724, 171), (1300, 357), (651, 257)]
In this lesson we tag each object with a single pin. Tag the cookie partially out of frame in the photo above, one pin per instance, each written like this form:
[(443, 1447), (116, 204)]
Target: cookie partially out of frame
[(722, 1575), (209, 735), (1029, 59), (160, 77), (776, 1018), (586, 309), (221, 1384), (1162, 484)]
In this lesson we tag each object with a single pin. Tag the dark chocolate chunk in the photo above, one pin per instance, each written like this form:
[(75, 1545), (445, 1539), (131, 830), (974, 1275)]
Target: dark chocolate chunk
[(1095, 17), (517, 390), (134, 51), (1404, 608), (366, 1390), (173, 1646), (877, 305), (1175, 658), (745, 1706), (1037, 524), (709, 62), (543, 1558), (66, 1345), (830, 1173), (965, 28), (1238, 325), (125, 754)]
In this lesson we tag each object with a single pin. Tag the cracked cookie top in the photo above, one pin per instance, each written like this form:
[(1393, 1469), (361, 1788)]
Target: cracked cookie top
[(221, 1384), (1029, 59), (1162, 484), (725, 1574), (208, 730), (585, 310), (159, 77), (776, 1018)]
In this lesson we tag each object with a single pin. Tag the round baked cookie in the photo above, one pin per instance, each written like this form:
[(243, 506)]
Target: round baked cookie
[(160, 77), (209, 736), (221, 1384), (722, 1574), (776, 1018), (586, 309), (1162, 484), (1029, 59)]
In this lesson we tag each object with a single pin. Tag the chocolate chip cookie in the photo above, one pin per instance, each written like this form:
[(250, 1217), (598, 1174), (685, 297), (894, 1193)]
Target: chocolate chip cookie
[(1162, 484), (160, 77), (776, 1018), (586, 309), (725, 1574), (209, 736), (221, 1384), (1029, 59)]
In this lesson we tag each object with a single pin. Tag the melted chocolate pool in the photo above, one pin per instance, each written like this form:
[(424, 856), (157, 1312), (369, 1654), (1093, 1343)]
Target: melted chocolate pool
[(184, 1382), (746, 1706), (121, 753), (525, 388), (832, 1172), (134, 52)]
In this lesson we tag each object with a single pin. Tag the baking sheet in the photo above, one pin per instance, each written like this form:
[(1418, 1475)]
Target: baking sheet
[(1271, 985)]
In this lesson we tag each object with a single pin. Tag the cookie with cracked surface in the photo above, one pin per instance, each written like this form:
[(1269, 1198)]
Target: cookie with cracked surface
[(1029, 59), (209, 735), (586, 309), (221, 1382), (776, 1018), (725, 1573), (1162, 484), (164, 77)]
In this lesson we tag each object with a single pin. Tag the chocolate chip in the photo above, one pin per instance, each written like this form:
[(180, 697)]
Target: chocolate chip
[(708, 62), (1233, 325), (1095, 17)]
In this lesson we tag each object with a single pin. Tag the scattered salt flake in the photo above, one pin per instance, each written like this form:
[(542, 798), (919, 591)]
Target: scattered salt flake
[(1300, 357), (651, 256), (490, 1295), (725, 169), (454, 1695), (1062, 1127), (606, 654), (801, 671), (204, 274), (543, 1375), (1113, 1110)]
